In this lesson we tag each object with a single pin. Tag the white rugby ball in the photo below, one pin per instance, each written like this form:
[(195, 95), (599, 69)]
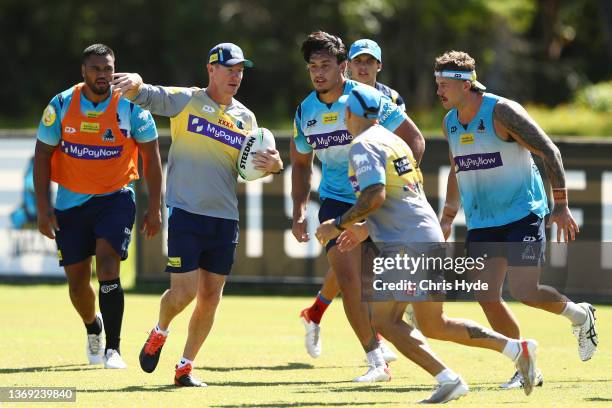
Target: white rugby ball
[(258, 139)]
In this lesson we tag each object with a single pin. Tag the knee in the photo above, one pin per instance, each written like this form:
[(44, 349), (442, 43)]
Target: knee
[(521, 293), (107, 267), (79, 288), (181, 296), (209, 298)]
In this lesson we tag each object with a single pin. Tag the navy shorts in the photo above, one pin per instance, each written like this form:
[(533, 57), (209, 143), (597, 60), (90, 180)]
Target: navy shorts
[(110, 217), (331, 208), (522, 242), (199, 241)]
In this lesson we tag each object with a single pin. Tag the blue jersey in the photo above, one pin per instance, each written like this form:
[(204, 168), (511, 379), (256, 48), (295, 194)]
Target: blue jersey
[(498, 181), (133, 122), (320, 127)]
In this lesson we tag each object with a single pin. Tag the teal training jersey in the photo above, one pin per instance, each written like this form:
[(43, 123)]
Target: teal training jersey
[(498, 181), (320, 127)]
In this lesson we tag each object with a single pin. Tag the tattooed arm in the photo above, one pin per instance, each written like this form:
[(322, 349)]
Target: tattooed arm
[(514, 122), (370, 200)]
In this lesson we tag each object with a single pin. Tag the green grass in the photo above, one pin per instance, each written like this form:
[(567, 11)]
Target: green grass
[(255, 357)]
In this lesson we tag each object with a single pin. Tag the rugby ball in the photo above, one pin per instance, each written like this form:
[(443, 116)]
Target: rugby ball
[(256, 140)]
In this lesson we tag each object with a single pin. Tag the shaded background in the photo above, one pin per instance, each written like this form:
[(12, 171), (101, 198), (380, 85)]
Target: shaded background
[(544, 52)]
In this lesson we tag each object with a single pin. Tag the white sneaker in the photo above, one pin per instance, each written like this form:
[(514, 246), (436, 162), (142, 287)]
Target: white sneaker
[(586, 333), (516, 381), (313, 335), (112, 359), (95, 345), (447, 391), (525, 364), (375, 374), (387, 353)]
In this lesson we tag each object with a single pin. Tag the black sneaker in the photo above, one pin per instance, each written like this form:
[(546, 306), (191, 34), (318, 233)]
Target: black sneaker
[(149, 355), (183, 378)]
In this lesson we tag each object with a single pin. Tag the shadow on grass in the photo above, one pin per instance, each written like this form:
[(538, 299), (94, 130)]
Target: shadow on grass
[(304, 404), (266, 384), (66, 367), (133, 388), (288, 366), (598, 399)]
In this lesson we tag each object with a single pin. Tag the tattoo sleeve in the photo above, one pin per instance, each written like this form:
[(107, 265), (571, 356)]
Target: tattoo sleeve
[(365, 204), (526, 132)]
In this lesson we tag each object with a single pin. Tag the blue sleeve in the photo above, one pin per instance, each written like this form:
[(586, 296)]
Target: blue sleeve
[(301, 144), (50, 126), (369, 163), (391, 115), (143, 127)]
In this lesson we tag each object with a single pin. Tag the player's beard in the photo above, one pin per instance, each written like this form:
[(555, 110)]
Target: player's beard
[(99, 89)]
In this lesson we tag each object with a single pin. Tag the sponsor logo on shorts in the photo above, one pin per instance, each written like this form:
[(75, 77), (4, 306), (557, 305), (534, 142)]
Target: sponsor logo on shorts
[(480, 161), (108, 288), (402, 165), (529, 254), (174, 261), (89, 152), (329, 118), (90, 127), (330, 139), (466, 138), (529, 238), (203, 127)]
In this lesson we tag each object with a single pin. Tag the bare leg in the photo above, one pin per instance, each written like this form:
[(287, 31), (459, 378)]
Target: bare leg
[(183, 289), (210, 291), (81, 291)]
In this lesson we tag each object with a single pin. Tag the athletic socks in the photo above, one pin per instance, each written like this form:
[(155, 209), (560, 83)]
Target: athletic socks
[(576, 314), (160, 331), (512, 349), (375, 357), (446, 375), (183, 362), (111, 305), (315, 312), (94, 327)]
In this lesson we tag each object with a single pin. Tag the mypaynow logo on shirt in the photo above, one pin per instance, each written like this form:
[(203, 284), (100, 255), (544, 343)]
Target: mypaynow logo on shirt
[(325, 140), (89, 152), (203, 127), (479, 161)]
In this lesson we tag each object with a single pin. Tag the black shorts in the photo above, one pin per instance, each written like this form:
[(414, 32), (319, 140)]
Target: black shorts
[(522, 242), (329, 209), (110, 217), (200, 241)]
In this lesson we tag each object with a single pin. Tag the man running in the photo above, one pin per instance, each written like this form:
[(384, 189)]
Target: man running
[(383, 174), (319, 128), (208, 127), (494, 178)]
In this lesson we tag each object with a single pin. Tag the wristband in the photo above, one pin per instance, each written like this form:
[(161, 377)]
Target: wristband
[(559, 194)]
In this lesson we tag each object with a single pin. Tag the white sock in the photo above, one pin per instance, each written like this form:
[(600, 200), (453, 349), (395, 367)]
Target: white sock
[(184, 361), (576, 314), (160, 331), (446, 375), (375, 357), (512, 349)]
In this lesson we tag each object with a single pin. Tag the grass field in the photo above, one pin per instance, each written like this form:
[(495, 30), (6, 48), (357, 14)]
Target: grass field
[(255, 357)]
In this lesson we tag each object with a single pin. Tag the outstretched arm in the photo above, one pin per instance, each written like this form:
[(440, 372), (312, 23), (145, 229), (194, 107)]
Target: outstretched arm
[(517, 123)]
